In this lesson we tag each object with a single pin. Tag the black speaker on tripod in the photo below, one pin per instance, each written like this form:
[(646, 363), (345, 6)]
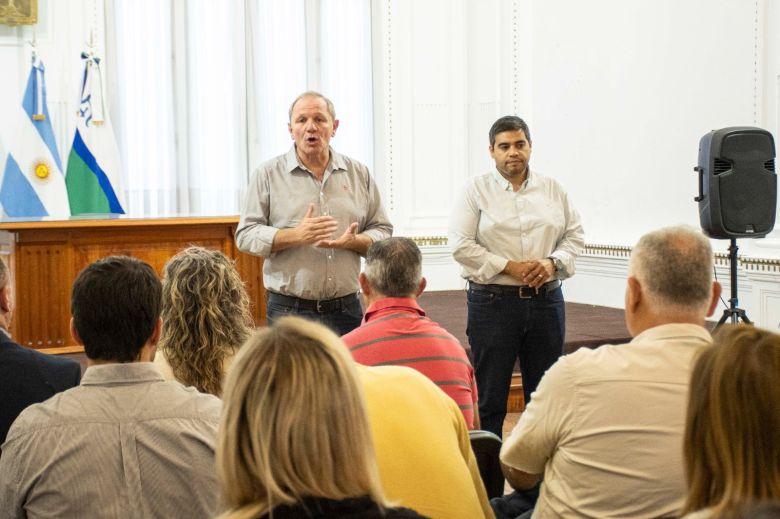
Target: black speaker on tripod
[(737, 193), (737, 183)]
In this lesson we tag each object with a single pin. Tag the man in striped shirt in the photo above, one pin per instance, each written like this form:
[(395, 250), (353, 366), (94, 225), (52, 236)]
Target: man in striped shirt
[(395, 330)]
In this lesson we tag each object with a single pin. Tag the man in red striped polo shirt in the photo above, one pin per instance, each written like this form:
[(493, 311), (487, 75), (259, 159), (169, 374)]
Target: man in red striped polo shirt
[(395, 330)]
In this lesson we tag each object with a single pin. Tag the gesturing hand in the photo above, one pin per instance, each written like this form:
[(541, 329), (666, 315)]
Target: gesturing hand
[(314, 229), (345, 241)]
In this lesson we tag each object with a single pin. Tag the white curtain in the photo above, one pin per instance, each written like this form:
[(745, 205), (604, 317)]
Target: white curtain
[(202, 90), (298, 45), (145, 121)]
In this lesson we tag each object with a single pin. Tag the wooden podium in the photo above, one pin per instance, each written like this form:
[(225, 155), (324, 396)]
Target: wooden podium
[(45, 257)]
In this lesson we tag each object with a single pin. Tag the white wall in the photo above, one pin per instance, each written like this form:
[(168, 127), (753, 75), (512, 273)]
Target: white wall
[(617, 94)]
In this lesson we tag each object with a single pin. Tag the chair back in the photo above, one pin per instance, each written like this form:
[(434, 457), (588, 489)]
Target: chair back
[(486, 447)]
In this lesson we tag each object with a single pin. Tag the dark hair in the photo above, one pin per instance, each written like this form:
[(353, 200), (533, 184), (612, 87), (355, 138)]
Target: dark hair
[(394, 267), (508, 123), (115, 304)]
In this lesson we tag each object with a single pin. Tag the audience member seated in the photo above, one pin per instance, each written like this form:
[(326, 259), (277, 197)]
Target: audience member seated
[(205, 309), (395, 330), (605, 426), (26, 376), (126, 442), (294, 440), (422, 445), (732, 435)]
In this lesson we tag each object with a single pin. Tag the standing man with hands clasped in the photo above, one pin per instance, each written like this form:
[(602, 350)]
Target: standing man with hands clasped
[(516, 235), (311, 213)]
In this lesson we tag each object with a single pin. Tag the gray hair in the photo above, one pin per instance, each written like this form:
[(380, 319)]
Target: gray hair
[(312, 93), (674, 266), (394, 267)]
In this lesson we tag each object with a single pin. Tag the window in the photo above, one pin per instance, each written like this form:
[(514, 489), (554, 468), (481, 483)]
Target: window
[(203, 89)]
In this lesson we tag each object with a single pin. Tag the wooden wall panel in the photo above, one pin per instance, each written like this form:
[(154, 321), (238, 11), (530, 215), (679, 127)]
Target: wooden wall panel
[(42, 293), (45, 258)]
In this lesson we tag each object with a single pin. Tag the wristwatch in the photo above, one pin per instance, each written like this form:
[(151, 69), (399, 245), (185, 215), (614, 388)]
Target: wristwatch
[(557, 264)]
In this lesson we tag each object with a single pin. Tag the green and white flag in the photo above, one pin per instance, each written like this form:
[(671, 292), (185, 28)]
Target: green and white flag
[(94, 174)]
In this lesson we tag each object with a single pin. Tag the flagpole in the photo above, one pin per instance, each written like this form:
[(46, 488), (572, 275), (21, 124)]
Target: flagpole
[(38, 111)]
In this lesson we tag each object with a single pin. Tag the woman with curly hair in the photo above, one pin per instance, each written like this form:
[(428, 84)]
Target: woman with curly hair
[(294, 439), (732, 434), (205, 318)]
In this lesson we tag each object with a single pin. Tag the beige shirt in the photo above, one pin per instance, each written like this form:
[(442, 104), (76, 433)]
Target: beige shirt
[(492, 224), (278, 197), (605, 426), (125, 443)]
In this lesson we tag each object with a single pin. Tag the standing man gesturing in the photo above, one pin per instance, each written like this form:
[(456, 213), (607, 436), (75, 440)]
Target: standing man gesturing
[(516, 235), (311, 213)]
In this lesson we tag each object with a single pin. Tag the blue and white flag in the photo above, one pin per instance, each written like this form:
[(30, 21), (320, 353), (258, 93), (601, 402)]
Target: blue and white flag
[(32, 183)]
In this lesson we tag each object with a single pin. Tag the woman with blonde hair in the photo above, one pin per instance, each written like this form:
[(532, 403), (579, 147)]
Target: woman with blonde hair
[(294, 440), (732, 433), (205, 312)]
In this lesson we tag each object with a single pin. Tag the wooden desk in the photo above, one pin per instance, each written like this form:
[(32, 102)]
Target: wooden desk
[(45, 257)]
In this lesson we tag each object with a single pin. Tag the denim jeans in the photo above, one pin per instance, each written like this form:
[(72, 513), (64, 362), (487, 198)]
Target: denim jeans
[(341, 321), (502, 328)]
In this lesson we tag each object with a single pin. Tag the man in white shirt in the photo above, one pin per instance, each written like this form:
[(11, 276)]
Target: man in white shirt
[(605, 426), (516, 235)]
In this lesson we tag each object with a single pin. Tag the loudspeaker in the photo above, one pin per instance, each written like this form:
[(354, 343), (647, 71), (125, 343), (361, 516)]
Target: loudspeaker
[(737, 183)]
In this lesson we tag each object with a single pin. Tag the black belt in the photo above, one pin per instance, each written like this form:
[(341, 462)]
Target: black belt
[(523, 292), (322, 307)]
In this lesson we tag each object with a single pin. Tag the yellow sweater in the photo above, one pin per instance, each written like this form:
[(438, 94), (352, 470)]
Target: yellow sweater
[(422, 445)]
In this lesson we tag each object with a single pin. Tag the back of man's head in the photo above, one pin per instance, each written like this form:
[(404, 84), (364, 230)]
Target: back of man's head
[(674, 267), (394, 267), (115, 304)]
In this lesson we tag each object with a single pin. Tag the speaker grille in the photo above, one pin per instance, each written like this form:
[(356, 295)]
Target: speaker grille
[(721, 166), (770, 165)]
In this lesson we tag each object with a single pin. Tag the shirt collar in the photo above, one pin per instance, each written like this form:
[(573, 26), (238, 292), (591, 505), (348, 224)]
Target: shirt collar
[(121, 374), (397, 304), (507, 185), (672, 330), (292, 163)]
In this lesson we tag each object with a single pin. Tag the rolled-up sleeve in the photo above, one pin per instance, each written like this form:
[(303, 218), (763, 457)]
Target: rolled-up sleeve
[(378, 226), (254, 235), (572, 242)]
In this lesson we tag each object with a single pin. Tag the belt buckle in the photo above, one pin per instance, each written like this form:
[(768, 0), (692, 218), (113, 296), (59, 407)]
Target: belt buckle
[(520, 292), (319, 308)]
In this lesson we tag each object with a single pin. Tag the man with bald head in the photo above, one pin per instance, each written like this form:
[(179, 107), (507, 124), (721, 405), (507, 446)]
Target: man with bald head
[(604, 428), (312, 213)]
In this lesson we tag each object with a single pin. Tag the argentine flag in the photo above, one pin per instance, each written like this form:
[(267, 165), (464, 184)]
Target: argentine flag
[(94, 172), (32, 181)]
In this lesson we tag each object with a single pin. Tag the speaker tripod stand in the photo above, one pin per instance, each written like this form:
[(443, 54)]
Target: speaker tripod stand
[(733, 313)]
